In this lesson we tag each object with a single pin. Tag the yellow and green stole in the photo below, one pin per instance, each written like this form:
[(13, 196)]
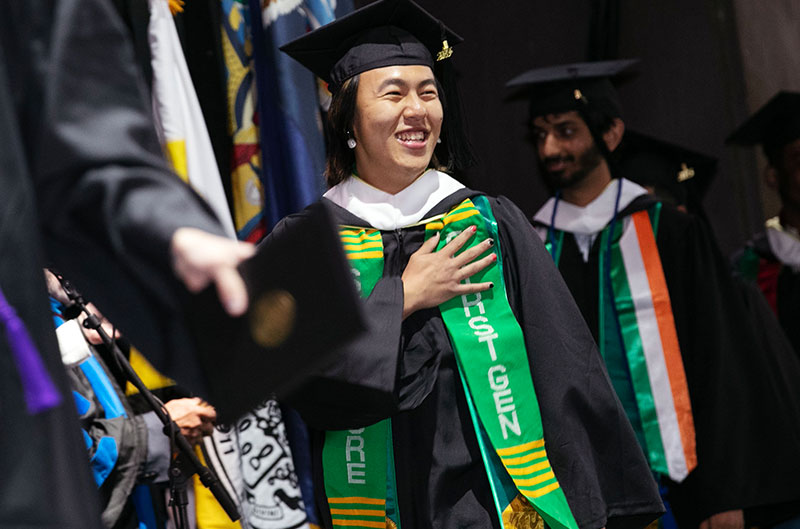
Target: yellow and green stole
[(493, 363), (639, 344)]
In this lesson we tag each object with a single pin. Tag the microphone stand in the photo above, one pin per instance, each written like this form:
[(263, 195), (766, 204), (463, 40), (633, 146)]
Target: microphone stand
[(185, 463)]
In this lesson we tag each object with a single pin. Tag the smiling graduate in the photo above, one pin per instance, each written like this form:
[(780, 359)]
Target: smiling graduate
[(477, 398)]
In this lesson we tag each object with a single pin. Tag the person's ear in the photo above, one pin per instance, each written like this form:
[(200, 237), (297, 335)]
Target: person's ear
[(771, 177), (613, 136)]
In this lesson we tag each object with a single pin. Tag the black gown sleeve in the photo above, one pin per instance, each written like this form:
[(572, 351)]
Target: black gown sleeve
[(590, 442), (107, 203), (89, 136)]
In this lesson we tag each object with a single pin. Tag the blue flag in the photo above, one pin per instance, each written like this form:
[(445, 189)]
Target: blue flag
[(292, 142)]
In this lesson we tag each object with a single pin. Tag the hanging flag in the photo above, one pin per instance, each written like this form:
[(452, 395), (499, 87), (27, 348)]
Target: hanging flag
[(178, 116), (247, 191), (292, 142), (188, 148)]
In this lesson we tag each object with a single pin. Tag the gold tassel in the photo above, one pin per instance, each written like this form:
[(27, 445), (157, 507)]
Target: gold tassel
[(176, 6), (686, 173), (445, 53)]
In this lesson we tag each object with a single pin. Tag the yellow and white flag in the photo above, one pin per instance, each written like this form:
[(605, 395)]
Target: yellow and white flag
[(178, 116)]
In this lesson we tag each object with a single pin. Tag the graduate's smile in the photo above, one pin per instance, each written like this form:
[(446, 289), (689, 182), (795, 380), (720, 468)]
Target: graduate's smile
[(398, 120), (413, 138)]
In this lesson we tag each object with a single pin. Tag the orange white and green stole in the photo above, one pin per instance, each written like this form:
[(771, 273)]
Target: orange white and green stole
[(495, 371), (637, 325)]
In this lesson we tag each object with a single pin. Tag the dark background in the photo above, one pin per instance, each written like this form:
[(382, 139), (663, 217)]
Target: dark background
[(691, 87)]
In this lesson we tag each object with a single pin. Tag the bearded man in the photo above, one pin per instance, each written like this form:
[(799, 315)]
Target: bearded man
[(697, 386)]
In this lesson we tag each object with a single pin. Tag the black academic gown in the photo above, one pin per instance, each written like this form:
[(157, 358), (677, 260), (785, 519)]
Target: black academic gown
[(786, 287), (406, 370), (75, 139), (106, 202), (745, 407)]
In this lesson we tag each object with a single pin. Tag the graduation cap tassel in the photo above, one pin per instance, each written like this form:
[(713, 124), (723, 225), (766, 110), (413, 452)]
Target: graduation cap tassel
[(455, 142), (446, 51)]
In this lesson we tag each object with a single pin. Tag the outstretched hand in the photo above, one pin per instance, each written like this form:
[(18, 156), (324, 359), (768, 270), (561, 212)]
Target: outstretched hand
[(432, 277), (200, 258)]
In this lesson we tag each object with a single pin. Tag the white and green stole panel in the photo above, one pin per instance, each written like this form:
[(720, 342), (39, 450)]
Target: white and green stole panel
[(639, 343), (495, 372)]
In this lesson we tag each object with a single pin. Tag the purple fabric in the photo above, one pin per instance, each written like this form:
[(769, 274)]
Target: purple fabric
[(40, 392)]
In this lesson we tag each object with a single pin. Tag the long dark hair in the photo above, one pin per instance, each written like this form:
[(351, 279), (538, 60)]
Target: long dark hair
[(340, 160)]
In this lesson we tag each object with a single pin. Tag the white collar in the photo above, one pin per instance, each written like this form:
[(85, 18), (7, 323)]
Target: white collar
[(594, 216), (385, 211), (784, 243)]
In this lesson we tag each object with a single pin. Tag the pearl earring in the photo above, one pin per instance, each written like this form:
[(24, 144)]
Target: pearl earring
[(439, 139), (351, 141)]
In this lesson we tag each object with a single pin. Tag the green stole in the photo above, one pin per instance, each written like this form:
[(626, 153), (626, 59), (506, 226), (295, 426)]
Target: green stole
[(493, 365), (358, 464)]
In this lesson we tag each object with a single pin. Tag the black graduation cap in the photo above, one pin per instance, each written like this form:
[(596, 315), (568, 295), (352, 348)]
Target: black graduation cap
[(774, 125), (558, 89), (677, 174), (384, 33)]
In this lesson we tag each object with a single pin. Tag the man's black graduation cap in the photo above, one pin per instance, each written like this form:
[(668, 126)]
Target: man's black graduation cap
[(678, 175), (774, 125), (384, 33), (577, 86)]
